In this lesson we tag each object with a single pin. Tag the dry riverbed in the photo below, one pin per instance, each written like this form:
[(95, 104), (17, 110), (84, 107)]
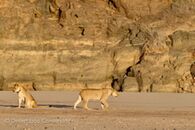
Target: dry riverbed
[(133, 111)]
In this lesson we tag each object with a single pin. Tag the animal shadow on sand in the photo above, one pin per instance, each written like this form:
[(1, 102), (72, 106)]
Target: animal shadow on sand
[(41, 106), (58, 105)]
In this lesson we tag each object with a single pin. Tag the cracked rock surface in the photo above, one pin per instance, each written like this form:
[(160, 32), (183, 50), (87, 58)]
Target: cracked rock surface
[(71, 44)]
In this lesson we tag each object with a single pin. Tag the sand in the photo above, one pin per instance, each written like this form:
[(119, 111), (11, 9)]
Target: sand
[(129, 111)]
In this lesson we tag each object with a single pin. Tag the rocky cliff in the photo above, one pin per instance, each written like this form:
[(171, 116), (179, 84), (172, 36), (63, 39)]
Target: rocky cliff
[(138, 45)]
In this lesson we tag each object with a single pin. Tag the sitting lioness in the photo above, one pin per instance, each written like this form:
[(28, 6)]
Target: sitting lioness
[(95, 94), (24, 97)]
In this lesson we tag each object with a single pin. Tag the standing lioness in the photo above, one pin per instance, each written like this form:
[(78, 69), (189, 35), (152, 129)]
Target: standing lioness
[(24, 97), (95, 94)]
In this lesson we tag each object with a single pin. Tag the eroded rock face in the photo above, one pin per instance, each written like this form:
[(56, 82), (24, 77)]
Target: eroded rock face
[(64, 44)]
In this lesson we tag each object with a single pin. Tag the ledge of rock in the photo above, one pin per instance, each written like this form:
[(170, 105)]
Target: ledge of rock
[(73, 44)]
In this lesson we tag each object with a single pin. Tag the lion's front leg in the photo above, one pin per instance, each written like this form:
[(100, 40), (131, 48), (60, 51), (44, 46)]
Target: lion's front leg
[(104, 105), (20, 101)]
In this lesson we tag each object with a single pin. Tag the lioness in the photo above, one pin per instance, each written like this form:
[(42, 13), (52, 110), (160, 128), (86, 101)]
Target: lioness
[(95, 94), (24, 97)]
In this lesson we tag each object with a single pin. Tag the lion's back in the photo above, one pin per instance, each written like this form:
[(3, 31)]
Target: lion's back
[(91, 94), (95, 94)]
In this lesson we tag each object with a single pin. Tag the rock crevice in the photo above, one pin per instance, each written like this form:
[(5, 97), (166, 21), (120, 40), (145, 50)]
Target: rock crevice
[(64, 44)]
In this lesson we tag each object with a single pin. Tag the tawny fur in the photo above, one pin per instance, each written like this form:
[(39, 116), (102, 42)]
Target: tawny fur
[(24, 97), (95, 94)]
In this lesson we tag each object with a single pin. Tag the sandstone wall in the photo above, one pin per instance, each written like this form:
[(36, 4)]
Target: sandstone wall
[(64, 44)]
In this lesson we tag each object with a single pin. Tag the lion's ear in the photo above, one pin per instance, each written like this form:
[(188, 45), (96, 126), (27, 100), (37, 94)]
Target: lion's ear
[(15, 85)]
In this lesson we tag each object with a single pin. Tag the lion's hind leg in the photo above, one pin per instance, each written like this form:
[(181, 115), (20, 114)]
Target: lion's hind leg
[(85, 105), (34, 104), (77, 102)]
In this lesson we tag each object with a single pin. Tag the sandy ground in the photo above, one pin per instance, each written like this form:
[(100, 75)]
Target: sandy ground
[(132, 111)]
